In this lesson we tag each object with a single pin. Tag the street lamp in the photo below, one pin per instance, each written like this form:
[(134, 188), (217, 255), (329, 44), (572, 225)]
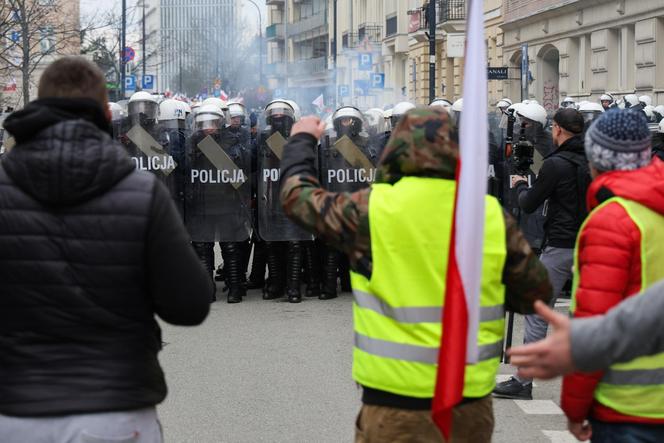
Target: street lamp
[(260, 42)]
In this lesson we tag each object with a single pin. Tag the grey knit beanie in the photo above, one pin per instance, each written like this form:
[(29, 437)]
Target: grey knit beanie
[(619, 140)]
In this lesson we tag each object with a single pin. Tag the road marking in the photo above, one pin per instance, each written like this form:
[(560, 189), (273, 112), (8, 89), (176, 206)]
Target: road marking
[(539, 407), (560, 436)]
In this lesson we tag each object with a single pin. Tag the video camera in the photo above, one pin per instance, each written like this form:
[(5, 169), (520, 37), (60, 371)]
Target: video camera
[(521, 153)]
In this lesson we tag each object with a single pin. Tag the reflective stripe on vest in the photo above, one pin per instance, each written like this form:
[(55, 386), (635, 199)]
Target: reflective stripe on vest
[(635, 388), (398, 313)]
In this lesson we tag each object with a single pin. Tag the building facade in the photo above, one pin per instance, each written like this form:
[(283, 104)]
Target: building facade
[(582, 48)]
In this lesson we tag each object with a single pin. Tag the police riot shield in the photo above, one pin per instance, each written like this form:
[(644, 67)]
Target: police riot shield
[(172, 138), (347, 164), (218, 190), (273, 225)]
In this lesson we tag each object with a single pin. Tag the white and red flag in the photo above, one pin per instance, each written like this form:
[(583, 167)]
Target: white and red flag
[(464, 272), (319, 102)]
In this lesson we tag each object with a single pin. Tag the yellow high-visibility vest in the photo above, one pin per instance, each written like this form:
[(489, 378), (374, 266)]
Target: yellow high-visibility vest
[(635, 388), (397, 313)]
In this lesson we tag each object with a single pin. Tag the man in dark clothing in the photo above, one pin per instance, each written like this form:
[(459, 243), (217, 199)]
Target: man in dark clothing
[(562, 184), (91, 250)]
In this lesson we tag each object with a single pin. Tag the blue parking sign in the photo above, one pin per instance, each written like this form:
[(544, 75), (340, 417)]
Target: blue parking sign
[(148, 82), (361, 87), (378, 81), (365, 61), (344, 91), (130, 83)]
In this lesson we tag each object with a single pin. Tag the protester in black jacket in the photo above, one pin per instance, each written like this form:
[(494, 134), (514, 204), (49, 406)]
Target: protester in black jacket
[(91, 250), (561, 183)]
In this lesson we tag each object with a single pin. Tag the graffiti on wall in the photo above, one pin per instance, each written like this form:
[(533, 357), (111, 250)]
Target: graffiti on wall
[(550, 96)]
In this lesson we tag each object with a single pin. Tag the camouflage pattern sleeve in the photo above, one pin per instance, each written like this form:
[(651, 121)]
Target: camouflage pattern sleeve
[(525, 277), (341, 219)]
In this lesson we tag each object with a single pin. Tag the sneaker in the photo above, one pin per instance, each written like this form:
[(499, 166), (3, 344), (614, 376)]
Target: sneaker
[(513, 389)]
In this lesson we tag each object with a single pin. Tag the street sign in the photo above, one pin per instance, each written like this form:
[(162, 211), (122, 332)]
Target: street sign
[(361, 87), (130, 83), (524, 71), (128, 54), (16, 36), (111, 85), (148, 82), (364, 62), (344, 91), (497, 73), (377, 81)]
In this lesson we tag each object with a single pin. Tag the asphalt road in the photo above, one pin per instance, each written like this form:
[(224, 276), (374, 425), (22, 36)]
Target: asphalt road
[(270, 371)]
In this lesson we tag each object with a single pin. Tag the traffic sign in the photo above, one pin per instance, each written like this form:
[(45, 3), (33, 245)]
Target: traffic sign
[(365, 61), (148, 82), (128, 54), (361, 87), (344, 91), (16, 36), (130, 83), (377, 80)]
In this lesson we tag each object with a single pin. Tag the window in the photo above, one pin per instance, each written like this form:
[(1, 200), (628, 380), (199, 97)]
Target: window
[(46, 39), (391, 26)]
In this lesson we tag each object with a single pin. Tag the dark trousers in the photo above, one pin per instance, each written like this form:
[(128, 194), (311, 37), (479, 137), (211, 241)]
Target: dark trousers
[(604, 432)]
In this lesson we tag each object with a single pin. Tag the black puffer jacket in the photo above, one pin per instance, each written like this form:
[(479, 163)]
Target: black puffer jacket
[(90, 250), (557, 182)]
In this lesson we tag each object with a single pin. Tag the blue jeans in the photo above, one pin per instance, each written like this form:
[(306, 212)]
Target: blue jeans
[(604, 432)]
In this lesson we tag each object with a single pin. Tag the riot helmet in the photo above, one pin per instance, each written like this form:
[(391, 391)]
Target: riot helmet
[(238, 114), (660, 128), (533, 113), (441, 102), (143, 108), (606, 101), (172, 114), (659, 113), (631, 101), (375, 118), (348, 120), (187, 108), (280, 115), (117, 112), (645, 100), (590, 111), (399, 111), (209, 119), (503, 104), (568, 102), (649, 111)]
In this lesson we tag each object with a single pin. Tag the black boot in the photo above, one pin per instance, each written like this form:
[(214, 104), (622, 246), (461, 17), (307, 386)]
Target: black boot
[(205, 253), (294, 268), (274, 287), (258, 262), (312, 269), (232, 254), (344, 274), (330, 274)]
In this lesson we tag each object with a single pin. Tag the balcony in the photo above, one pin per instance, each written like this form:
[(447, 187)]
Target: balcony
[(418, 25), (275, 2), (452, 15), (274, 32), (307, 24), (312, 66)]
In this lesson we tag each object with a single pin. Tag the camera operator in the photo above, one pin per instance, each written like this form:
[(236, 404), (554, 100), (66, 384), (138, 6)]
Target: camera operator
[(562, 180)]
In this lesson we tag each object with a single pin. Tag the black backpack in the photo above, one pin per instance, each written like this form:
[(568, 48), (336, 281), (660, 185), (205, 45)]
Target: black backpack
[(583, 180)]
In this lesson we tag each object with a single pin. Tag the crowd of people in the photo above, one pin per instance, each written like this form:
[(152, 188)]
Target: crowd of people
[(94, 247)]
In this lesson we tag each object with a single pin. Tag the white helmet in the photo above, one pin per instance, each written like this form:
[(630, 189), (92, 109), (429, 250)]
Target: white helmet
[(568, 102), (646, 100), (195, 106), (171, 109), (590, 107), (504, 103), (117, 111), (209, 117), (606, 98), (143, 103), (399, 111), (660, 110), (236, 109), (142, 96), (375, 118), (648, 111), (660, 128), (631, 100), (296, 108), (186, 107), (441, 102), (534, 112), (215, 101), (458, 105)]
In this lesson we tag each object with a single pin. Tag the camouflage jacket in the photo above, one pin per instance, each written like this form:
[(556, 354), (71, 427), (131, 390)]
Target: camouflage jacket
[(422, 145)]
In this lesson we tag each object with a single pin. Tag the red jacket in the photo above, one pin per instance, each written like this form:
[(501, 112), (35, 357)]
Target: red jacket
[(610, 271)]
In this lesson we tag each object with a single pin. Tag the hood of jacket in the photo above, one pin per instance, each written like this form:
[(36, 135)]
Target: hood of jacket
[(63, 155), (644, 186), (424, 144), (574, 144)]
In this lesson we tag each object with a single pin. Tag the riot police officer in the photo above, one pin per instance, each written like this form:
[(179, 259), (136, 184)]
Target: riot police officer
[(172, 136), (590, 111), (118, 119), (607, 101), (218, 197), (284, 240)]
